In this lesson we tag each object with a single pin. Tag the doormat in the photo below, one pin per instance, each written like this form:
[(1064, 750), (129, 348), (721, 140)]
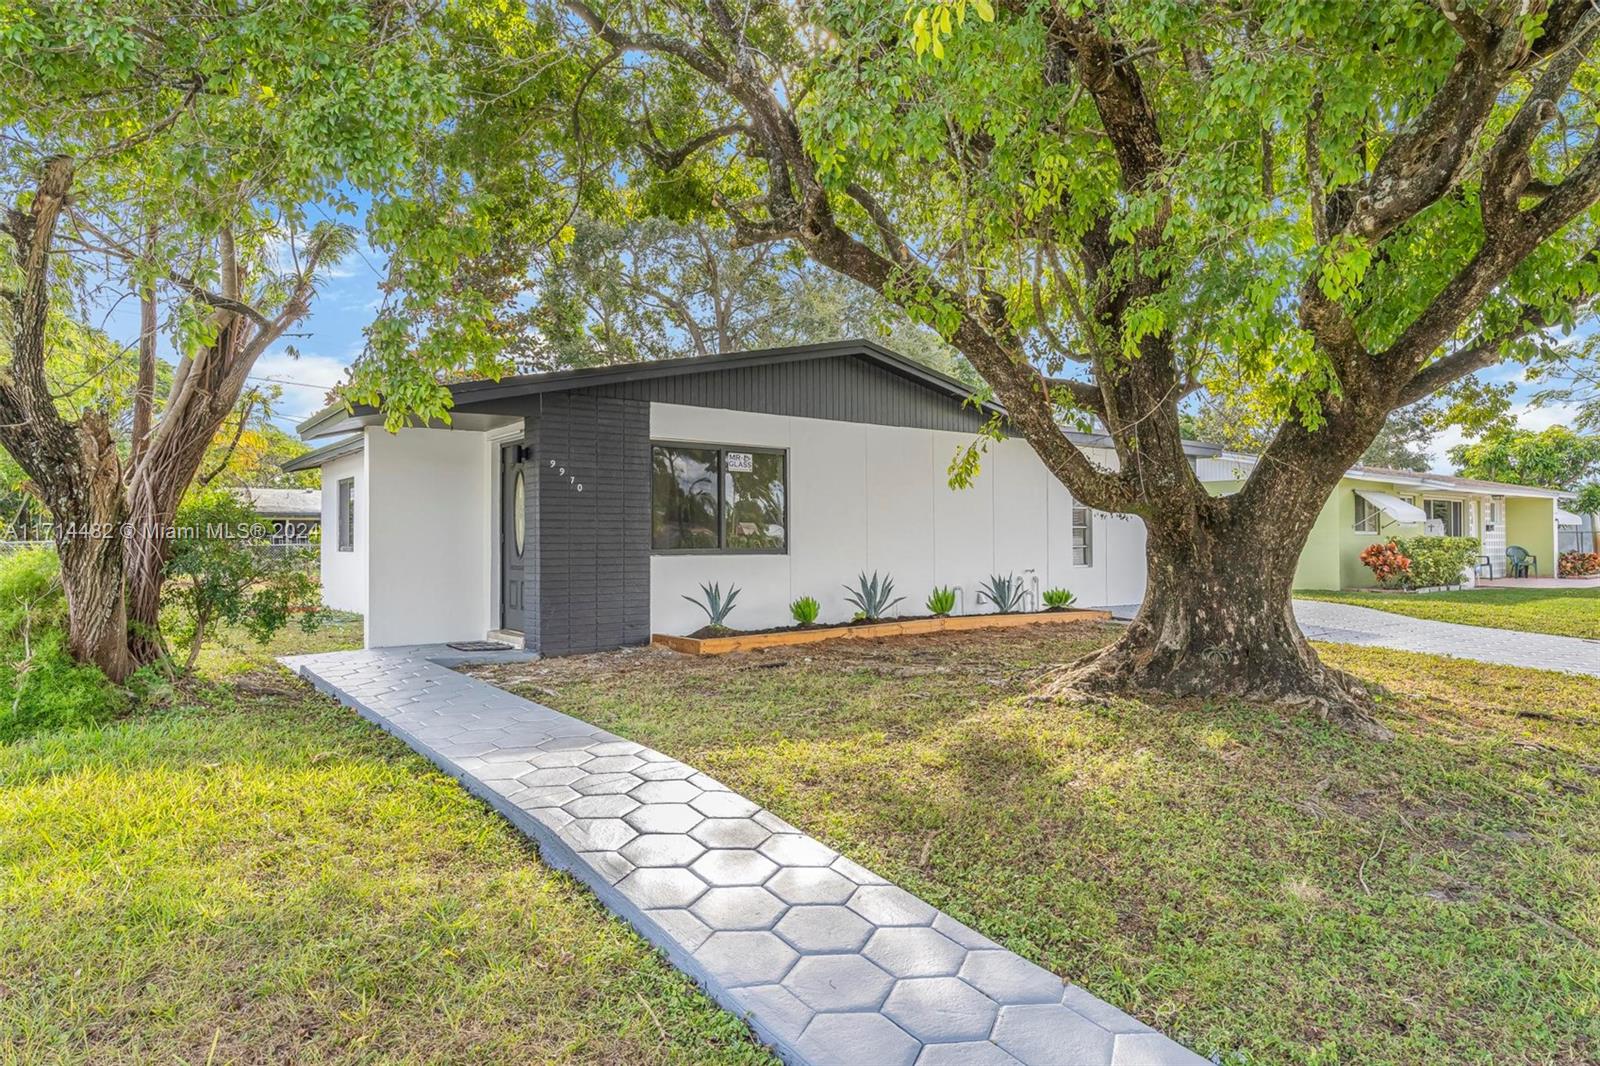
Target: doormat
[(479, 645)]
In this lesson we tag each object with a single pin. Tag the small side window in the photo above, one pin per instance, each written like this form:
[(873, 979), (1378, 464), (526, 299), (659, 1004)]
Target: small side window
[(347, 514), (1082, 537), (1366, 516)]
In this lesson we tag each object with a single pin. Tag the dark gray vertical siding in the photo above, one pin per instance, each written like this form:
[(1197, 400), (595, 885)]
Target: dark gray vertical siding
[(594, 548), (841, 388)]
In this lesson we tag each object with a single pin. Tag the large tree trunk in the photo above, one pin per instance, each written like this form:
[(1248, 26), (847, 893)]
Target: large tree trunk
[(1218, 621), (89, 513)]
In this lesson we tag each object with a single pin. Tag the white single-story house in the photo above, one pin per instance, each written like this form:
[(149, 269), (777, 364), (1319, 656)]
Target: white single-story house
[(576, 510)]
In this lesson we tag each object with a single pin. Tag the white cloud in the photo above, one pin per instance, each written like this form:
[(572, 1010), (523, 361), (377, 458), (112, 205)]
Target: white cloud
[(304, 381)]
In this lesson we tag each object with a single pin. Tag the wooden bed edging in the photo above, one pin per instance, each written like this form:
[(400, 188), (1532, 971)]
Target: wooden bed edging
[(912, 627)]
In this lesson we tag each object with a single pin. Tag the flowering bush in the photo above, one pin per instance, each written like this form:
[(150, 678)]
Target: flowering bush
[(1387, 563), (1578, 564)]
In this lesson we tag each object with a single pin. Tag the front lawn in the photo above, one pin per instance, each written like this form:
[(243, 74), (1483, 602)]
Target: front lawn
[(253, 874), (1573, 612), (1254, 882)]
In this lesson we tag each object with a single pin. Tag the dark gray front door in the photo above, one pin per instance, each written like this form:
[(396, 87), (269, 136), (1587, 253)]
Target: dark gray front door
[(513, 535)]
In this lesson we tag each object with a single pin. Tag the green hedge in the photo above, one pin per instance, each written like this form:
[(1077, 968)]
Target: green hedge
[(41, 687), (1437, 560)]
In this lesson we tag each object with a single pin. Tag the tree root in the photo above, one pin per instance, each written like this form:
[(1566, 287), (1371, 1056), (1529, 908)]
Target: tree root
[(1117, 670)]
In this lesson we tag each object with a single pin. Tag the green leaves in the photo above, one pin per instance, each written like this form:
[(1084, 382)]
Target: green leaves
[(932, 25)]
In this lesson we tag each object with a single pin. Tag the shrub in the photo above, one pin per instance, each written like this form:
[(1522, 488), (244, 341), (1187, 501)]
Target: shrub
[(1437, 560), (1004, 591), (716, 605), (805, 610), (223, 569), (1055, 599), (41, 686), (941, 601), (871, 595), (1387, 562), (1578, 564)]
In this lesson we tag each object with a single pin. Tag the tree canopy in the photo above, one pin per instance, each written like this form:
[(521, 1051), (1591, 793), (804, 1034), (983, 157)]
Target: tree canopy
[(1553, 458)]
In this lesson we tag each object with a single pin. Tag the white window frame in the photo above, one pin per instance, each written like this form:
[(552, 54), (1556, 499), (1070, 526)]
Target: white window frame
[(1082, 554), (346, 490)]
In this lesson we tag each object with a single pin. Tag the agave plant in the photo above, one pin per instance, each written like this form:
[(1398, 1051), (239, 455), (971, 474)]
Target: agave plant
[(941, 601), (871, 595), (1004, 591), (804, 610), (716, 605), (1058, 598)]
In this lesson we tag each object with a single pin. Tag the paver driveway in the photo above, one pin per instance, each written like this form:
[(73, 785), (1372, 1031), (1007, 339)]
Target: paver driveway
[(831, 964), (1345, 623)]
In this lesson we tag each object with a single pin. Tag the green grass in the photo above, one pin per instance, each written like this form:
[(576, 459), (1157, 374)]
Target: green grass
[(252, 874), (1255, 882), (1573, 612)]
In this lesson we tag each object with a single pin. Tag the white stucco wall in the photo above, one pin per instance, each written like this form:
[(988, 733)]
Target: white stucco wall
[(866, 497), (429, 506), (344, 574)]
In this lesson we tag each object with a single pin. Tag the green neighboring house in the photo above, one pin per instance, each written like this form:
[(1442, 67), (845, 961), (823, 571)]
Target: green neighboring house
[(1373, 504)]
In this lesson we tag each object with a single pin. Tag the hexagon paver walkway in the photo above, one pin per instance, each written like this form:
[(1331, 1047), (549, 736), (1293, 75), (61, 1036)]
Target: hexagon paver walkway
[(1347, 623), (828, 962)]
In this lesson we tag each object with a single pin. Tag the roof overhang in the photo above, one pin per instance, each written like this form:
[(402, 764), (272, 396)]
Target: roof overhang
[(319, 457), (1393, 506)]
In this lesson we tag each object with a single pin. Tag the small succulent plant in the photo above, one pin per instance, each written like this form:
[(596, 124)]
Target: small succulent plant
[(715, 604), (805, 610), (941, 601), (871, 595), (1055, 599), (1004, 591)]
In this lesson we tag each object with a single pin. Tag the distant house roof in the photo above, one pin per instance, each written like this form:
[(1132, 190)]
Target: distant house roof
[(281, 503), (1424, 480)]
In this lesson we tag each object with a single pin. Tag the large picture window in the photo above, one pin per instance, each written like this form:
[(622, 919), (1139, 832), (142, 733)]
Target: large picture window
[(706, 498)]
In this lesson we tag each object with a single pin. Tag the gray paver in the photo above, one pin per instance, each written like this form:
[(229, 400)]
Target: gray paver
[(801, 885), (664, 818), (838, 982), (729, 833), (1347, 623), (915, 951), (662, 887), (817, 929), (855, 1039), (829, 962), (746, 958), (1045, 1032), (734, 867), (746, 907), (1010, 978), (938, 1009)]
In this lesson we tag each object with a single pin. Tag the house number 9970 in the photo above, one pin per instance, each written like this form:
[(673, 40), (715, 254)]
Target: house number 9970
[(561, 471)]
